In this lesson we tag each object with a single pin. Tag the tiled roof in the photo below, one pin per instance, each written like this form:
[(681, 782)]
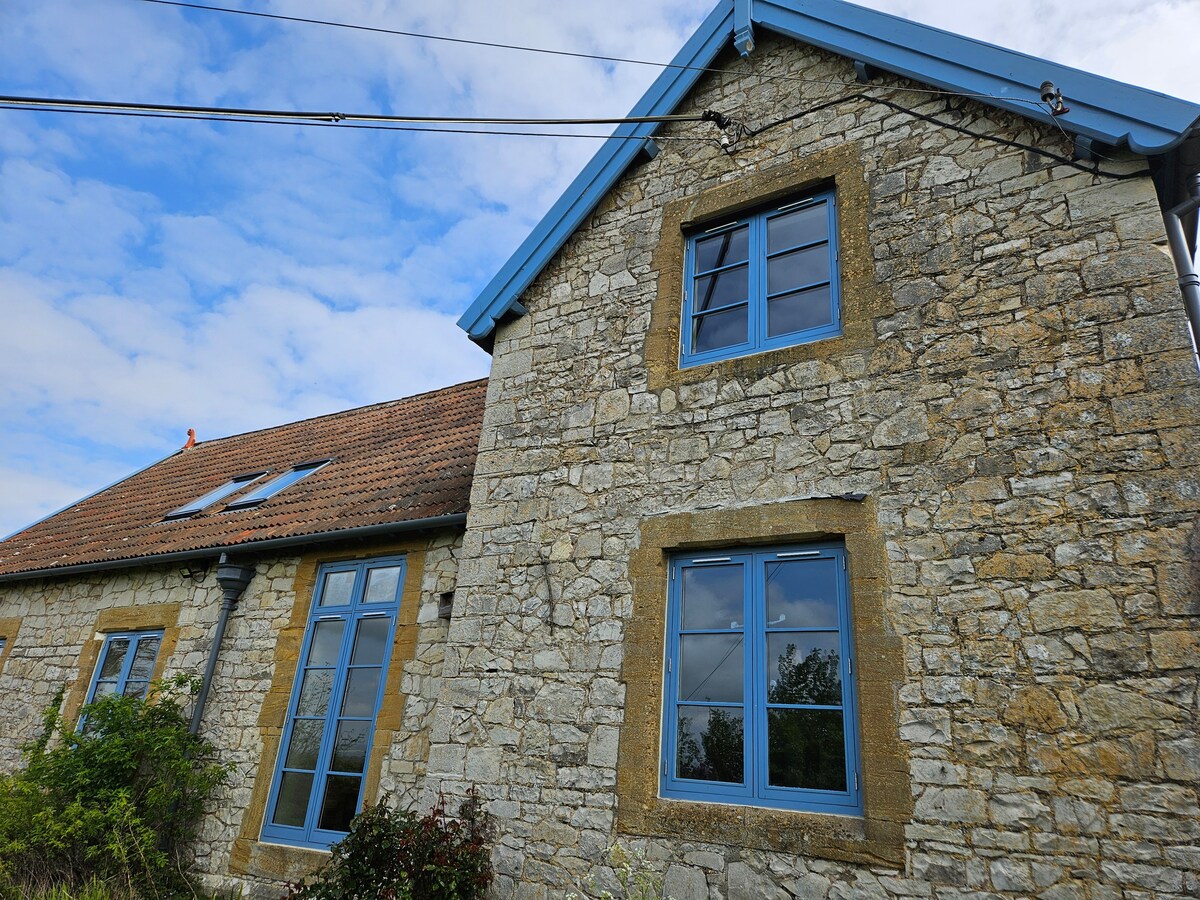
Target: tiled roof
[(393, 462)]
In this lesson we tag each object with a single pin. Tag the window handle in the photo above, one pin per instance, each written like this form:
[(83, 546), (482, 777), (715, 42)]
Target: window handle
[(373, 615), (713, 559), (325, 618), (797, 553), (719, 227)]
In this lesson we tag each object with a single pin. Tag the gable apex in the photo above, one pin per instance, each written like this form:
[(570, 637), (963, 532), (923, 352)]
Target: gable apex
[(1102, 111)]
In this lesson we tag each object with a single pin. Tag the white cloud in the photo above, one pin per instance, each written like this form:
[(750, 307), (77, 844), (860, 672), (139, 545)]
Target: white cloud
[(157, 275)]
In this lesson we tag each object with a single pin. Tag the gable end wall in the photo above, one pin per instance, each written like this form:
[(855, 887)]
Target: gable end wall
[(1017, 399)]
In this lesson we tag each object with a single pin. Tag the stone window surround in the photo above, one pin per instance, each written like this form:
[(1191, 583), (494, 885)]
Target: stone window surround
[(862, 299), (8, 630), (877, 837), (162, 617), (279, 862)]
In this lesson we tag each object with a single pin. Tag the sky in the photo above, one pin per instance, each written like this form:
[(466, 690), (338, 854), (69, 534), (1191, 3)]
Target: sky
[(158, 275)]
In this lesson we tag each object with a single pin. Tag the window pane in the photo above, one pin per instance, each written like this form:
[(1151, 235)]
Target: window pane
[(723, 329), (306, 741), (712, 598), (382, 585), (292, 802), (800, 311), (339, 587), (804, 667), (340, 803), (711, 668), (370, 642), (143, 659), (326, 642), (350, 747), (136, 688), (806, 749), (722, 289), (799, 268), (103, 688), (723, 249), (802, 593), (314, 693), (711, 745), (114, 658), (793, 229), (362, 686)]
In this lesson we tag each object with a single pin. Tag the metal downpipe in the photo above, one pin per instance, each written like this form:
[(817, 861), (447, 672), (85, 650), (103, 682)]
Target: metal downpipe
[(233, 580), (1185, 266)]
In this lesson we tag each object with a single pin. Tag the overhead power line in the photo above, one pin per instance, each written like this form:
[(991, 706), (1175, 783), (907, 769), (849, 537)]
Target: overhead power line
[(380, 122), (522, 48), (334, 117)]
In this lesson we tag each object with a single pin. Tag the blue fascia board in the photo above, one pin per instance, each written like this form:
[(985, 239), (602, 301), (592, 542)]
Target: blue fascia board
[(588, 189), (1108, 111)]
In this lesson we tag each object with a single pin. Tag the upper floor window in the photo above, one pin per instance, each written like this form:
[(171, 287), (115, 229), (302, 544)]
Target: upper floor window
[(764, 281), (330, 726), (229, 487), (126, 664), (760, 703), (275, 485)]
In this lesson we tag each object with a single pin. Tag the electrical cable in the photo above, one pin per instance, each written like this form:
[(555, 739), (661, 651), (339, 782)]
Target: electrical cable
[(46, 103), (416, 129), (550, 51), (934, 120)]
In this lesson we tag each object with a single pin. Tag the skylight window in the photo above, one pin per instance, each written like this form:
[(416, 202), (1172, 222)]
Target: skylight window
[(275, 485), (229, 487)]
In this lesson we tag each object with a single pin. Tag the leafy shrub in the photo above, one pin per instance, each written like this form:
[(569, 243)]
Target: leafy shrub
[(393, 854), (114, 804)]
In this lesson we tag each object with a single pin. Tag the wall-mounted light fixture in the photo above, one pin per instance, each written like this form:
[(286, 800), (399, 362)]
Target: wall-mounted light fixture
[(196, 569)]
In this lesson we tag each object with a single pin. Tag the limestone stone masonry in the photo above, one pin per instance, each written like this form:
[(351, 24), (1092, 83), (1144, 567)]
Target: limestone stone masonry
[(1015, 393), (59, 618)]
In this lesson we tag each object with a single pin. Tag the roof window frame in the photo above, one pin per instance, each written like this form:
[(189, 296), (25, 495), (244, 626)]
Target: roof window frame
[(278, 484), (205, 500)]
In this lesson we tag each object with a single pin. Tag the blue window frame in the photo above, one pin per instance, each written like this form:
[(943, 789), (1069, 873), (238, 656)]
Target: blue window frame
[(126, 664), (275, 485), (767, 280), (760, 706), (229, 487), (318, 782)]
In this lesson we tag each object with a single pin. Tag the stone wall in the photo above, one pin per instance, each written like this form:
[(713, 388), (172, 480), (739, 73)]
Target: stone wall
[(1016, 395), (58, 619)]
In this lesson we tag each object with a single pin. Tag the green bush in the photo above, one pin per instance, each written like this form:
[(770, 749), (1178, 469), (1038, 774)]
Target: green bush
[(113, 804), (392, 854)]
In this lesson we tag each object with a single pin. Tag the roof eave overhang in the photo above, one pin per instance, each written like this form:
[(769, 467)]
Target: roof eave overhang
[(610, 162), (1103, 111), (247, 548)]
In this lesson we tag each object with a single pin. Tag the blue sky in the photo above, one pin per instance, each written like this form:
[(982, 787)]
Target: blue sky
[(157, 275)]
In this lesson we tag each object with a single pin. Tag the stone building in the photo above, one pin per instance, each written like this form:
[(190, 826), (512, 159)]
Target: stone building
[(833, 530)]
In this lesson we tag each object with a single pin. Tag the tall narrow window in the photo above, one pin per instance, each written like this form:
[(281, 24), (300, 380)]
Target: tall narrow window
[(323, 755), (760, 693), (762, 281), (126, 664)]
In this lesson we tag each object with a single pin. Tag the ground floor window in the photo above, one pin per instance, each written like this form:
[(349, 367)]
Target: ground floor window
[(760, 700), (126, 664), (330, 726)]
